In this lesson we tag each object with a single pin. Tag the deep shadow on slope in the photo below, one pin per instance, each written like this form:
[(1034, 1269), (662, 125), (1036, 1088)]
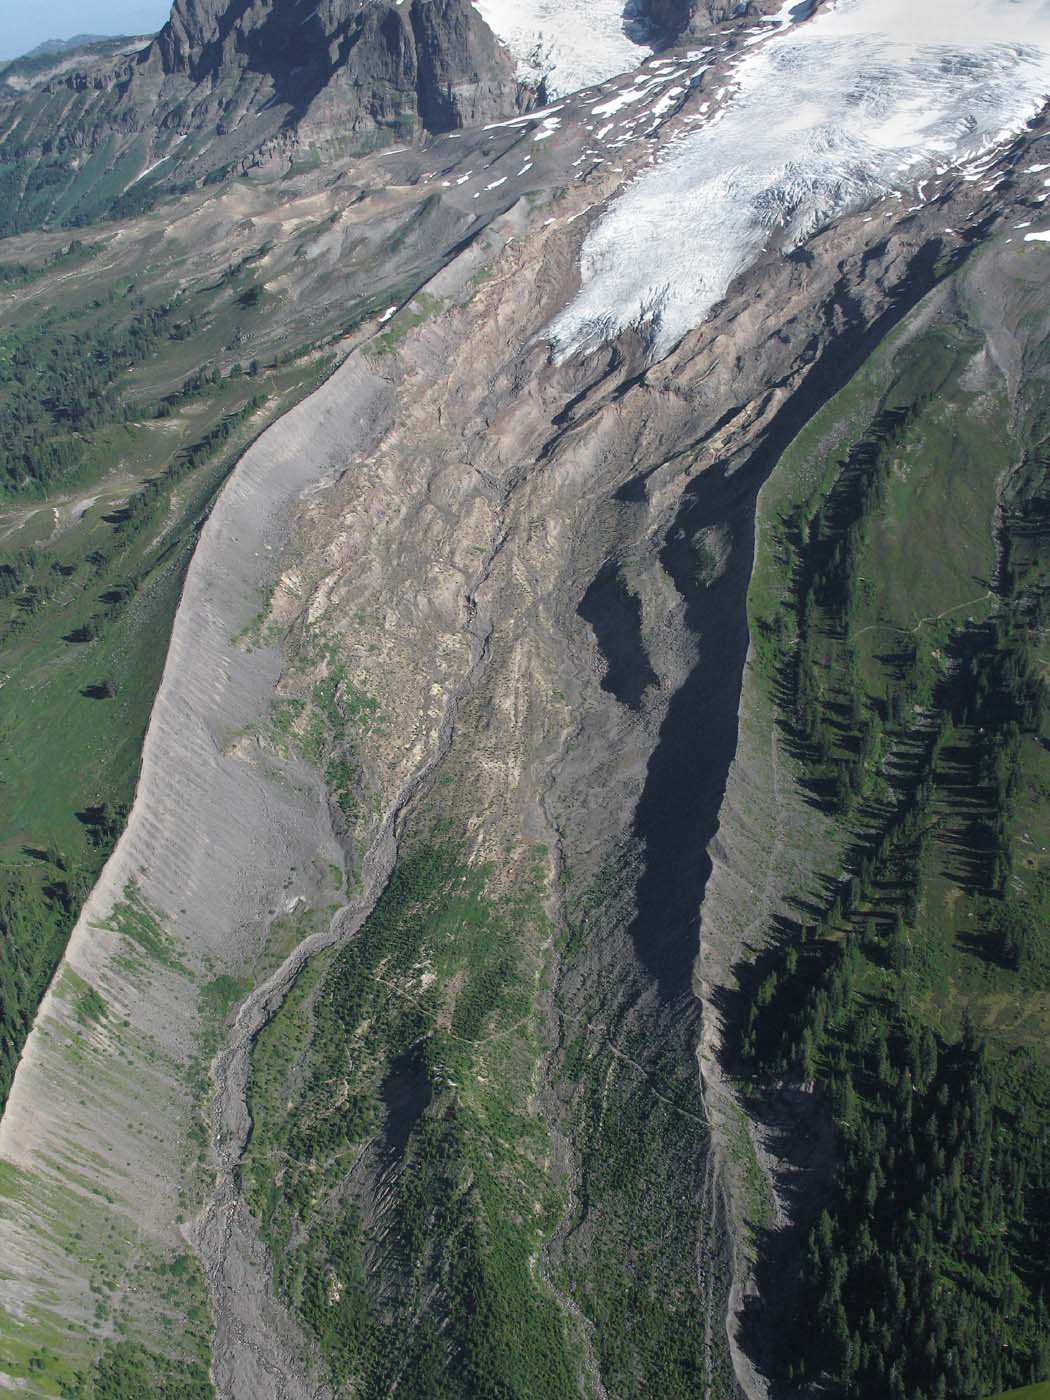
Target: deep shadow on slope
[(677, 815), (615, 613), (802, 1141)]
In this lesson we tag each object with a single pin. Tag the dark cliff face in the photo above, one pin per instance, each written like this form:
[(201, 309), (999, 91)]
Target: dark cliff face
[(228, 84), (431, 61), (195, 27)]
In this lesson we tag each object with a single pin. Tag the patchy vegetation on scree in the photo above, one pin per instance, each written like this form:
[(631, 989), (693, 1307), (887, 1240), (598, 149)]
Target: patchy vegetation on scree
[(398, 1171)]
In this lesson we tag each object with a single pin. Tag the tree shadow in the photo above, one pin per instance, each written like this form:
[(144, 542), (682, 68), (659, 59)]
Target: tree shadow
[(100, 690)]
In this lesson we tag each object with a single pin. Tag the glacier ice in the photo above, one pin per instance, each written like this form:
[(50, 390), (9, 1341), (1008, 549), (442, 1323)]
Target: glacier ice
[(573, 43), (822, 118)]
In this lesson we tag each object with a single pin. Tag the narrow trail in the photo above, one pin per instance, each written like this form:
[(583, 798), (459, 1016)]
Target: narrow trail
[(926, 621), (597, 1028), (259, 1353)]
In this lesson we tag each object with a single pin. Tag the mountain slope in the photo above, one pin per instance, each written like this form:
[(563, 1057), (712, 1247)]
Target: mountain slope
[(237, 87), (885, 812), (580, 929)]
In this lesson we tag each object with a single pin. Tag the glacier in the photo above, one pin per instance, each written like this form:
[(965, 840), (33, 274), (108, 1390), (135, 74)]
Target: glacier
[(573, 44), (823, 117)]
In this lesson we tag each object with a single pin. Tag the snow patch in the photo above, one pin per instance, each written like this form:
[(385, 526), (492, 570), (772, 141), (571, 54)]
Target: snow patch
[(627, 96)]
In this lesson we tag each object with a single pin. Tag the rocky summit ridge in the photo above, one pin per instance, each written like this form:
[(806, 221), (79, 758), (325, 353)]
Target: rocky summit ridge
[(346, 66), (239, 85)]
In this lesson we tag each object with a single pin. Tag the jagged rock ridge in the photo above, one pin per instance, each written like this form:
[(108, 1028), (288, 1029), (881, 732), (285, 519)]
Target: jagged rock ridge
[(343, 65), (246, 84)]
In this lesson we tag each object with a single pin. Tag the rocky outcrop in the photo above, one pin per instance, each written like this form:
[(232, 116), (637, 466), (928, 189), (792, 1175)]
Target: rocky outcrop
[(228, 84), (341, 66), (671, 20)]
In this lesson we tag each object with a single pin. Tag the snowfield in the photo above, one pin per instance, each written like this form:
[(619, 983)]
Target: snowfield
[(574, 43), (865, 99)]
